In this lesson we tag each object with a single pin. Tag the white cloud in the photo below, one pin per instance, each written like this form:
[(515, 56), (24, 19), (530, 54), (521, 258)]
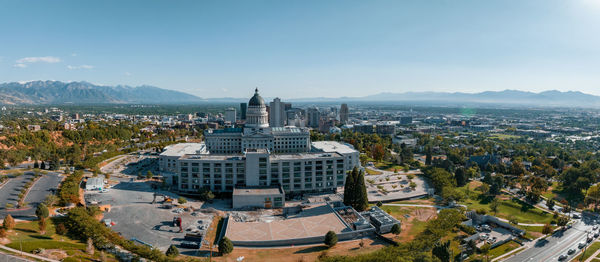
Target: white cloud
[(20, 65), (127, 74), (38, 59), (71, 67)]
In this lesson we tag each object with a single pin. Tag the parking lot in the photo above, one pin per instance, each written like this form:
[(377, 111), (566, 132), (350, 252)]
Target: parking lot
[(9, 193), (135, 217)]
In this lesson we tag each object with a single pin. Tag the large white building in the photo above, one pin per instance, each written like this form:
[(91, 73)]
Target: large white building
[(258, 155)]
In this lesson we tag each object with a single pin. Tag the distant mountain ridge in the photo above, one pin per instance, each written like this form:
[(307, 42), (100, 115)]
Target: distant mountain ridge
[(57, 92), (506, 97)]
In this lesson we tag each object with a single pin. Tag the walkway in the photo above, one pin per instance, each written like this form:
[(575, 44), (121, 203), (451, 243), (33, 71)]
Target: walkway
[(27, 254)]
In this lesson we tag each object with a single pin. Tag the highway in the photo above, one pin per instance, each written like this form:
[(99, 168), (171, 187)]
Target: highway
[(559, 243)]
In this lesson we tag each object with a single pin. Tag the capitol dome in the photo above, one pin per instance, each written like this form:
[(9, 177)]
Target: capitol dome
[(256, 115), (256, 100)]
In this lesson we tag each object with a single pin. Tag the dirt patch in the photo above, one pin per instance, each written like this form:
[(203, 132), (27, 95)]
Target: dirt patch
[(417, 216), (55, 254), (304, 253)]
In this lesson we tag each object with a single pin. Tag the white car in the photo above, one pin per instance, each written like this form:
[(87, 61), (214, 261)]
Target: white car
[(582, 244)]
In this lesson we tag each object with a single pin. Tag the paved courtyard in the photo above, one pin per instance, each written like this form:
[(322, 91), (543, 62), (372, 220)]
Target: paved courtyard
[(390, 186)]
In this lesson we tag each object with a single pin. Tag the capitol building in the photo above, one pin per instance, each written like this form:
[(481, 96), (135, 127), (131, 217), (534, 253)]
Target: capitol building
[(258, 156)]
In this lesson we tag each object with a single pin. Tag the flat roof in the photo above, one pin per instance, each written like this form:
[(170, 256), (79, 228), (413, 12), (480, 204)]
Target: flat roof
[(184, 149), (333, 146), (252, 191), (311, 222)]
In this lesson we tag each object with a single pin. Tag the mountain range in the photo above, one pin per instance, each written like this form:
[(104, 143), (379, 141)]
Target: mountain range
[(57, 92)]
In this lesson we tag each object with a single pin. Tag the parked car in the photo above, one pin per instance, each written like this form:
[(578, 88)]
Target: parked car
[(562, 257), (581, 244), (190, 244), (571, 251)]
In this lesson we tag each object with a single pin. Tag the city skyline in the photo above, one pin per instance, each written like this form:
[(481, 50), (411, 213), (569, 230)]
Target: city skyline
[(331, 48)]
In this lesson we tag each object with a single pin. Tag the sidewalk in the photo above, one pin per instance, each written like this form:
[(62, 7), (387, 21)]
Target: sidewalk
[(27, 254)]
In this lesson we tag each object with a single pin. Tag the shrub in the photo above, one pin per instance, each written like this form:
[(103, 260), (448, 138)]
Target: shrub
[(330, 239), (172, 251), (61, 229), (225, 246), (182, 200), (396, 229)]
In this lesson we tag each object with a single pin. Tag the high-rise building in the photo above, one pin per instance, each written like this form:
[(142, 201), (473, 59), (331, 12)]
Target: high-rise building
[(230, 115), (344, 113), (313, 116), (277, 114), (243, 107)]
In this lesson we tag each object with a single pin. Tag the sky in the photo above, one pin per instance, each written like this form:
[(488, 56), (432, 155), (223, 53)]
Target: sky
[(296, 49)]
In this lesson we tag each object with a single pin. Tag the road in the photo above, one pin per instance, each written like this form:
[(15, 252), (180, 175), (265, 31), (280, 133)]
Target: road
[(551, 248)]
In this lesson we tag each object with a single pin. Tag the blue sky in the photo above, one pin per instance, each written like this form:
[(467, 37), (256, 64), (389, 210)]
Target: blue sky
[(297, 49)]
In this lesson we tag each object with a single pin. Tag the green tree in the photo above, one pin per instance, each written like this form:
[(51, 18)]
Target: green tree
[(330, 239), (550, 204), (42, 211), (485, 250), (442, 251), (562, 221), (225, 246), (494, 205), (172, 251), (349, 187), (396, 229), (361, 202), (149, 174)]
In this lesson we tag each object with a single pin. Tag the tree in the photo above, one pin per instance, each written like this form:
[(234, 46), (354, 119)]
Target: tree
[(61, 229), (42, 211), (9, 222), (485, 250), (442, 251), (225, 246), (361, 202), (90, 246), (396, 229), (349, 187), (149, 175), (494, 205), (3, 233), (42, 225), (43, 165), (428, 155), (593, 195), (460, 175), (330, 239), (547, 229), (550, 204), (172, 251), (562, 221)]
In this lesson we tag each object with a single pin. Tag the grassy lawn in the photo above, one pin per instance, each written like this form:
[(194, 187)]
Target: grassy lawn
[(504, 136), (25, 236), (503, 249), (372, 172), (523, 212), (589, 251)]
